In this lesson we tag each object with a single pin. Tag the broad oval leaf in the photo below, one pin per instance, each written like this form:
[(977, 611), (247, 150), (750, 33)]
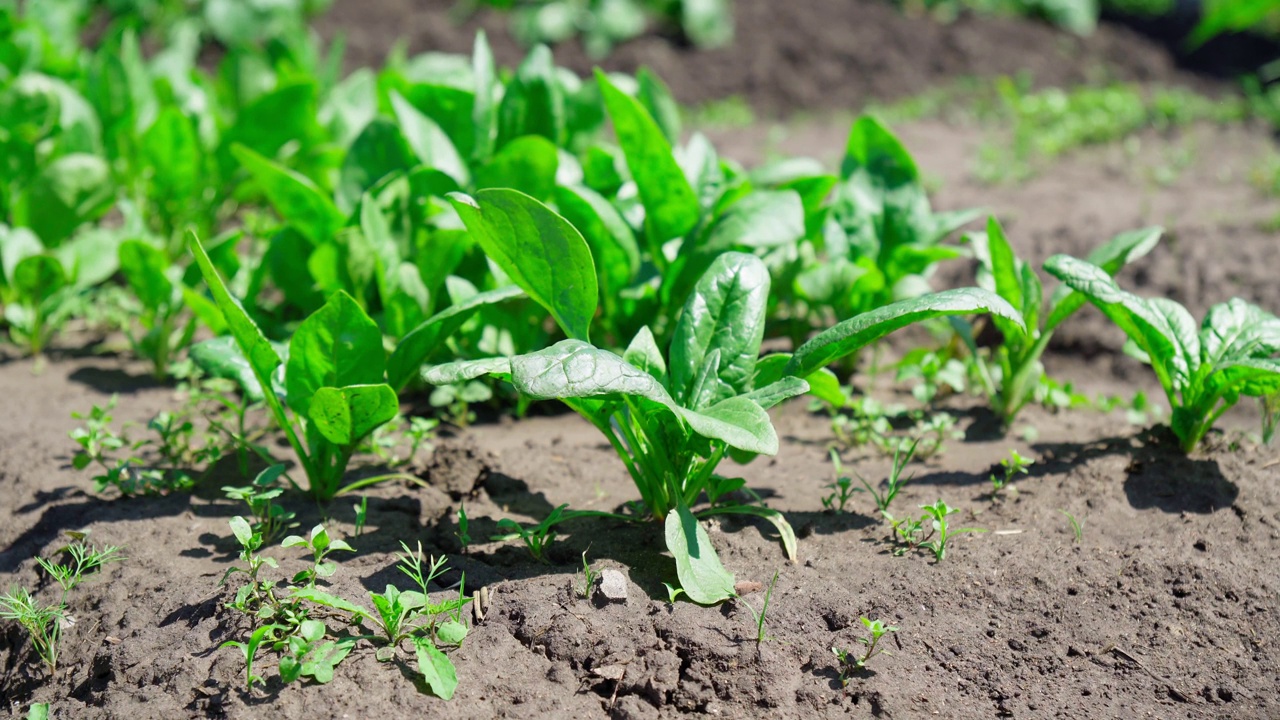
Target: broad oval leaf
[(762, 219), (144, 267), (613, 245), (463, 370), (702, 576), (671, 207), (344, 416), (379, 150), (725, 312), (575, 369), (539, 250), (527, 164), (1115, 254), (738, 422), (436, 668), (853, 334), (336, 347)]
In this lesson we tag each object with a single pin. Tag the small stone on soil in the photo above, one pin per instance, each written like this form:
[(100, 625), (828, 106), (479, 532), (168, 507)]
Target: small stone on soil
[(613, 585)]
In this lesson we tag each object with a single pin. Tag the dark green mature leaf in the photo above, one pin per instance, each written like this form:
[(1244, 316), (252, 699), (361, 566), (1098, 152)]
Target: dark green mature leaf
[(539, 250), (1115, 254), (173, 151), (527, 164), (298, 201), (874, 152), (429, 143), (702, 577), (464, 370), (416, 347), (575, 369), (264, 126), (38, 277), (451, 108), (533, 103), (613, 245), (725, 312), (378, 151), (221, 357), (344, 416), (671, 207), (853, 334), (338, 346), (144, 266), (738, 422), (436, 668)]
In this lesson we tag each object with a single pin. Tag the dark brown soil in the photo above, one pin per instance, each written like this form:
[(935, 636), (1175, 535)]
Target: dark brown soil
[(1167, 608), (791, 56)]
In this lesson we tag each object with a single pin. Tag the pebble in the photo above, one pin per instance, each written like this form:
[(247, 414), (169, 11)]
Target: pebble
[(613, 585)]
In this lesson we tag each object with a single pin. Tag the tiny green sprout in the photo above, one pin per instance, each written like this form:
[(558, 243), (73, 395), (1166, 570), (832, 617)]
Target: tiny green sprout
[(589, 578), (939, 512), (901, 456), (42, 622), (850, 663), (1013, 465), (362, 514), (764, 610), (85, 559), (537, 538), (320, 545), (1077, 526), (464, 537), (673, 593), (842, 488), (250, 649)]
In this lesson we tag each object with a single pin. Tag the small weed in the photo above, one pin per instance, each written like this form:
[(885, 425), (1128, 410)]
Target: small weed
[(1013, 465), (764, 610), (850, 662), (85, 559), (589, 578), (939, 512), (249, 649), (537, 538), (362, 514), (320, 545), (464, 537), (1077, 526), (901, 456), (269, 518), (43, 623), (842, 488)]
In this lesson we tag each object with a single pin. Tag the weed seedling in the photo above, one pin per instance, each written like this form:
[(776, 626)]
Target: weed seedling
[(764, 610), (43, 623), (320, 545), (270, 519), (589, 578), (939, 512), (901, 456), (250, 651), (362, 514), (851, 663), (85, 559), (1013, 465), (307, 653), (842, 488), (464, 537), (537, 538), (909, 533), (1077, 526)]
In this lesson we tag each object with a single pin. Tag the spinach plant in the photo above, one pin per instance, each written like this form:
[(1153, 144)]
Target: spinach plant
[(671, 416), (1012, 372), (1205, 369), (155, 283)]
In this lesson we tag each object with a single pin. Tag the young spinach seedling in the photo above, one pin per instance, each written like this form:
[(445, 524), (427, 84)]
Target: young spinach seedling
[(1205, 369)]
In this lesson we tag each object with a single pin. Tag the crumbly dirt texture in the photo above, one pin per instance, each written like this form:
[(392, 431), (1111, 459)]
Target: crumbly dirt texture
[(1166, 608)]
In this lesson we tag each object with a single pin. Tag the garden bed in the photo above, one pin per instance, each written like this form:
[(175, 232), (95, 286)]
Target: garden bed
[(1165, 606)]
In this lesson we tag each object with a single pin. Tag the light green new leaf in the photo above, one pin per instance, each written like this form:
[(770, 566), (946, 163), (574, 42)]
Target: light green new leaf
[(298, 201), (1115, 254), (762, 219), (643, 352), (527, 164), (144, 266), (855, 333), (429, 143), (344, 416), (702, 576), (38, 277), (338, 346), (539, 250), (738, 422), (671, 207), (725, 312), (377, 151)]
